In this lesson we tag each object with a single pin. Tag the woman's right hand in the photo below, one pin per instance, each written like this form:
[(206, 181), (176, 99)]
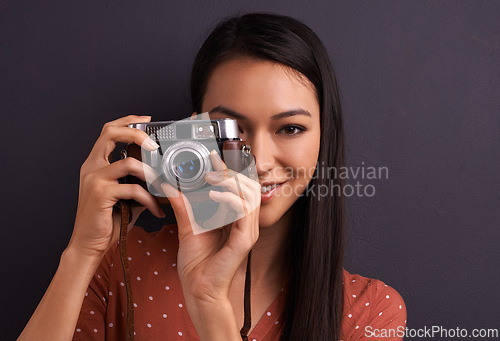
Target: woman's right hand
[(96, 228)]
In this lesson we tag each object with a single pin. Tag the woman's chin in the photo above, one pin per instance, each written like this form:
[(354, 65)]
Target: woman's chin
[(265, 223), (270, 215)]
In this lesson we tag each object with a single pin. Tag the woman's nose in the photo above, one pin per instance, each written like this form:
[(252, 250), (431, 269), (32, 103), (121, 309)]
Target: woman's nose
[(262, 149)]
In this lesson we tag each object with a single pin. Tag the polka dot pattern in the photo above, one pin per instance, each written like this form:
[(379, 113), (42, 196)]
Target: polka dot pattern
[(370, 302), (159, 305)]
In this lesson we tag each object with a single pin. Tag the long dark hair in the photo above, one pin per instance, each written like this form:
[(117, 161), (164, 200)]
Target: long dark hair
[(316, 245)]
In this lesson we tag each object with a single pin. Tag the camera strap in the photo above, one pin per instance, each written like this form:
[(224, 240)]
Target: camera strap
[(126, 216), (247, 324)]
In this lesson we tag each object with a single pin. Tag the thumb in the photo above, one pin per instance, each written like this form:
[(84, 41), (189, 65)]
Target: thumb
[(182, 209)]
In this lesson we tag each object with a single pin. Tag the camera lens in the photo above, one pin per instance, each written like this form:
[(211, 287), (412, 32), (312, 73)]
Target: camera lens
[(186, 165)]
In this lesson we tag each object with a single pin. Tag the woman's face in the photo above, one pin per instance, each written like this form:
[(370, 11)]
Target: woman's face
[(278, 116)]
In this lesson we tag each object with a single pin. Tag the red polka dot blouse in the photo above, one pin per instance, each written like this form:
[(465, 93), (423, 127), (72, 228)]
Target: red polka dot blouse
[(370, 306)]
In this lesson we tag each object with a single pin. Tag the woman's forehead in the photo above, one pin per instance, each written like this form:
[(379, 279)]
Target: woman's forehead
[(242, 62), (241, 84)]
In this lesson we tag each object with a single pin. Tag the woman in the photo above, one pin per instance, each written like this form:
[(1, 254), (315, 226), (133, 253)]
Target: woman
[(272, 74)]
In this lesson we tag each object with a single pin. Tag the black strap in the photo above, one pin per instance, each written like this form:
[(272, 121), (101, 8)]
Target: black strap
[(247, 324)]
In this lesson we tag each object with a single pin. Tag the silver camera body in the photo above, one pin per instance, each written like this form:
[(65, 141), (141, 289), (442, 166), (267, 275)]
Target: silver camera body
[(184, 154)]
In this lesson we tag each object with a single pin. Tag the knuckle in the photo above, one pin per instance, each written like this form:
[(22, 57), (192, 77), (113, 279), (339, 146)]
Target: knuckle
[(250, 198), (231, 182), (84, 169), (128, 162), (256, 238), (139, 136), (106, 129), (99, 191), (90, 178), (87, 177), (248, 244), (106, 125), (95, 186), (136, 190)]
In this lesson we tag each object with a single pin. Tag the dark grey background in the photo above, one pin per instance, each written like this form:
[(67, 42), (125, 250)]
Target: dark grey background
[(420, 84)]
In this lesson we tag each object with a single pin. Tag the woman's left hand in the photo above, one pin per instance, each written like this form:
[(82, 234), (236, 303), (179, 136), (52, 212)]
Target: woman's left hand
[(208, 262)]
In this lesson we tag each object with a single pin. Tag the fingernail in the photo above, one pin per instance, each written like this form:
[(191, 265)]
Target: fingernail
[(217, 157), (150, 144)]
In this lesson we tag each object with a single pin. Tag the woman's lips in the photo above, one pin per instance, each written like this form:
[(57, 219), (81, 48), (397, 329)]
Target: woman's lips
[(269, 194)]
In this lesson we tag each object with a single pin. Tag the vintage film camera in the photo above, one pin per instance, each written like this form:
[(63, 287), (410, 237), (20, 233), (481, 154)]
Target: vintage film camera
[(184, 157)]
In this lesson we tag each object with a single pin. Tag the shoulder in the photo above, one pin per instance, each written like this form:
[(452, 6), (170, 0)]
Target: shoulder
[(371, 305)]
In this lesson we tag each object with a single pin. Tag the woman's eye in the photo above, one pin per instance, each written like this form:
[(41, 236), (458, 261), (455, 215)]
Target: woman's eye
[(293, 130)]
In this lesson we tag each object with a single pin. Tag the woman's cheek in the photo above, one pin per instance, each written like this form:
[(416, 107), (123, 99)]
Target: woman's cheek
[(304, 158)]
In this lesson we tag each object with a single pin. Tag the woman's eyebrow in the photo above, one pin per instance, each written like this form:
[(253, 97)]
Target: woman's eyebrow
[(291, 113), (226, 111)]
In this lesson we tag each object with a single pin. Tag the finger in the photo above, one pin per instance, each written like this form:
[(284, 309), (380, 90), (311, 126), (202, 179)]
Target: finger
[(131, 166), (237, 203), (140, 170), (182, 209), (126, 120), (139, 194), (123, 122), (111, 135), (242, 237), (128, 166), (203, 116), (217, 162), (234, 182)]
